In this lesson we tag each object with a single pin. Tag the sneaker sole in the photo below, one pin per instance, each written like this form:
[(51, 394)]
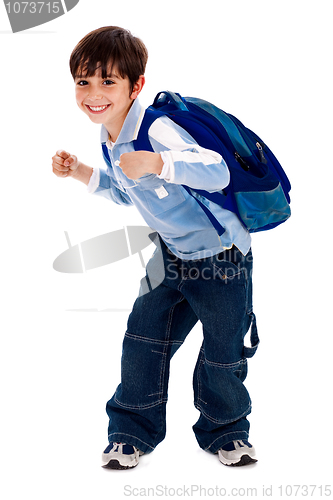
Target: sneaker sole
[(115, 465), (245, 460)]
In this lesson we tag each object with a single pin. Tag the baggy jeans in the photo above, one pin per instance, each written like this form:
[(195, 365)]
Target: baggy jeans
[(173, 296)]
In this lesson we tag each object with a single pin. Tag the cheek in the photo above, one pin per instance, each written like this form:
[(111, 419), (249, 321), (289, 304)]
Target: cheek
[(79, 96)]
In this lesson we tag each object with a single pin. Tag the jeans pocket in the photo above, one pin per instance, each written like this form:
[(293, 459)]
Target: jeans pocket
[(227, 271), (220, 394)]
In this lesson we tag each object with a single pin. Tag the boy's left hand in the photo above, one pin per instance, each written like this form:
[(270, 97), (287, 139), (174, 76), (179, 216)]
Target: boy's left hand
[(138, 163)]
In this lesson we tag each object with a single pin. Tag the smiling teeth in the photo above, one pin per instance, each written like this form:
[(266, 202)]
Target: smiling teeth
[(98, 108)]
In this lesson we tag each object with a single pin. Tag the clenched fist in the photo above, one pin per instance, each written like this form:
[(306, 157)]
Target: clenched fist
[(64, 164), (138, 163)]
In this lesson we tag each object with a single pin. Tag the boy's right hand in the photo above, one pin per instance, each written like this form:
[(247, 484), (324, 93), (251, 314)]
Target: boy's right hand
[(64, 164)]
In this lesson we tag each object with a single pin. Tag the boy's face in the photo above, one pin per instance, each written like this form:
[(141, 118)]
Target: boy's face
[(106, 101)]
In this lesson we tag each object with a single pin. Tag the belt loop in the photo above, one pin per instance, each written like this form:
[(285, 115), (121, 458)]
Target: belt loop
[(248, 352)]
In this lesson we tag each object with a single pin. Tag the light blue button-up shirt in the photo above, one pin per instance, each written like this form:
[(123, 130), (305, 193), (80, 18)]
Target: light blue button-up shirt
[(163, 203)]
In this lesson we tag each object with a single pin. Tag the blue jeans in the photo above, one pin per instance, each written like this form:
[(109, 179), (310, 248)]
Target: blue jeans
[(218, 292)]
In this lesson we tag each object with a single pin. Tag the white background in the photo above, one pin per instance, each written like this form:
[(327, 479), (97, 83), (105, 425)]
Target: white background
[(268, 63)]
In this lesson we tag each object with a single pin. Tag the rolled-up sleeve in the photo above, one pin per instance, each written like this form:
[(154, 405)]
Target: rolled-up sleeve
[(187, 162)]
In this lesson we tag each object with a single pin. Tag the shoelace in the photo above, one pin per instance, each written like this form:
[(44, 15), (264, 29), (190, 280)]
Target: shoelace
[(118, 448), (238, 444)]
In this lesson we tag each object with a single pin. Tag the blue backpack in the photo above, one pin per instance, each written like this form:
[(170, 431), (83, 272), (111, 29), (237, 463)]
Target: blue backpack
[(258, 192)]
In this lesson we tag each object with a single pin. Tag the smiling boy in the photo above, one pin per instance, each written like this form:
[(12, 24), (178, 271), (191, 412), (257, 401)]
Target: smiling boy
[(207, 277)]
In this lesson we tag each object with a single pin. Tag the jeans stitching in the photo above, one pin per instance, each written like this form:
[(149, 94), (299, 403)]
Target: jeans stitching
[(223, 422), (130, 435), (228, 434), (146, 406), (153, 341), (201, 362), (220, 271), (167, 343), (227, 365)]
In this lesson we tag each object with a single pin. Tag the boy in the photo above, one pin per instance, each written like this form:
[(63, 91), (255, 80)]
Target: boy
[(207, 276)]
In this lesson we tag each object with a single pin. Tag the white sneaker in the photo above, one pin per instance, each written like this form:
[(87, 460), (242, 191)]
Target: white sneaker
[(237, 453), (120, 456)]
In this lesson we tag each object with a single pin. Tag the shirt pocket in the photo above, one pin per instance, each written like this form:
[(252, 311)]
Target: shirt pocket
[(161, 196)]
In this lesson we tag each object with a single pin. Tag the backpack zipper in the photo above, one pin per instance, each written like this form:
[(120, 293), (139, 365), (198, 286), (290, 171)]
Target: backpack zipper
[(242, 163), (261, 152)]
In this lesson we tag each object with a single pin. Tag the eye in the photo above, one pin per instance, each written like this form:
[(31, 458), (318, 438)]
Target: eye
[(108, 82), (82, 83)]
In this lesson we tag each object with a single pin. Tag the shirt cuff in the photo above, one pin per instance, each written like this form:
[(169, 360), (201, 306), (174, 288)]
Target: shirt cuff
[(94, 181), (167, 172)]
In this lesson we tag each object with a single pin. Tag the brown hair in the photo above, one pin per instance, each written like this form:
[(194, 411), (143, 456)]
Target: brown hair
[(109, 45)]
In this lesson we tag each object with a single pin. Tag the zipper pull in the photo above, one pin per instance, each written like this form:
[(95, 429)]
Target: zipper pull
[(261, 152), (242, 163)]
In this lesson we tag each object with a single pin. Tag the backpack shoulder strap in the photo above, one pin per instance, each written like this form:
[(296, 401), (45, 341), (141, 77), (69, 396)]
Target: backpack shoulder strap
[(106, 154), (163, 103), (142, 143)]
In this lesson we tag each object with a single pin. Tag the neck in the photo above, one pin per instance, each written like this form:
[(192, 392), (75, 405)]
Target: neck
[(115, 127)]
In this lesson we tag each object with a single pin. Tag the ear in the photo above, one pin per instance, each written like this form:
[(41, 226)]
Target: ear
[(138, 87)]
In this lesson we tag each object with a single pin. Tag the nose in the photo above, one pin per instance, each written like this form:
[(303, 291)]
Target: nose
[(94, 96), (94, 93)]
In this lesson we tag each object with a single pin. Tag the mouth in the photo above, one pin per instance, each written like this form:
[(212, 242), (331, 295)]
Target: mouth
[(96, 110)]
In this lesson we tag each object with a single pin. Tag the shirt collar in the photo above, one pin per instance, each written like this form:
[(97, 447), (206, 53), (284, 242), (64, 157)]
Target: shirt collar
[(131, 125)]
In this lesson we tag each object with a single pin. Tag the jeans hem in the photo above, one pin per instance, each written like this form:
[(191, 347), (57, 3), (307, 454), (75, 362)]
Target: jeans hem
[(226, 438), (119, 437)]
